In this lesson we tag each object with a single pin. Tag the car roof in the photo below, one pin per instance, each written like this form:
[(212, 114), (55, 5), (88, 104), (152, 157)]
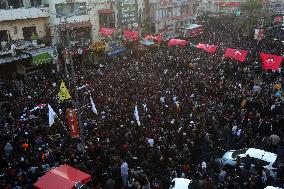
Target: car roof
[(181, 183), (261, 154)]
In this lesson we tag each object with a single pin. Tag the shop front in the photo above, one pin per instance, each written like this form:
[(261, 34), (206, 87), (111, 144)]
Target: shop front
[(11, 66), (80, 33)]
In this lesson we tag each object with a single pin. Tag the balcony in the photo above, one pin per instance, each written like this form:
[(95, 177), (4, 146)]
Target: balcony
[(23, 13)]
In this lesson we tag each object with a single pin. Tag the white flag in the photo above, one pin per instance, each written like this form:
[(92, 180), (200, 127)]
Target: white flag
[(51, 115), (136, 115), (94, 106)]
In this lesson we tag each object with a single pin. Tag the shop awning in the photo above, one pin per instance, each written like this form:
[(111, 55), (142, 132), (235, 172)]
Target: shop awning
[(10, 59), (115, 52), (43, 55), (62, 177), (42, 58), (105, 11)]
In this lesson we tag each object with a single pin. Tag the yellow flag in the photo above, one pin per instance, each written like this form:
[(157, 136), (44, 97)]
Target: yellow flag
[(63, 92)]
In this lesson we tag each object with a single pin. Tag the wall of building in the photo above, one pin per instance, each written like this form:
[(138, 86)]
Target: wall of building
[(15, 28), (169, 15), (95, 7), (54, 20)]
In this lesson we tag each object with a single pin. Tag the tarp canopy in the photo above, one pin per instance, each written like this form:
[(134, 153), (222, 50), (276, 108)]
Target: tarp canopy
[(62, 177), (147, 43), (192, 26), (115, 52), (42, 58), (43, 55), (177, 42)]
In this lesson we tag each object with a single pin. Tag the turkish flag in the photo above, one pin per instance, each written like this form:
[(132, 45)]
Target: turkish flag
[(207, 48), (133, 35), (73, 123), (159, 38), (236, 54), (177, 42), (270, 62), (107, 31)]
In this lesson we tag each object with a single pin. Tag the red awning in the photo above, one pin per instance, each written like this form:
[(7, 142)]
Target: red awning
[(62, 177), (228, 4), (106, 11)]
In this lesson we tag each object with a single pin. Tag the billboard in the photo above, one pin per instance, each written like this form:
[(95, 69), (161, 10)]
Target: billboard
[(127, 12)]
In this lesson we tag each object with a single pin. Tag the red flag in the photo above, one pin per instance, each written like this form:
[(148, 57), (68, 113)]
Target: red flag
[(107, 31), (149, 37), (73, 123), (207, 48), (159, 38), (239, 55), (270, 62), (179, 42), (133, 35), (278, 19)]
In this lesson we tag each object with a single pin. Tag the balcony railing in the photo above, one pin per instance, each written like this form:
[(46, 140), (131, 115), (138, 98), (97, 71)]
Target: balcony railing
[(23, 13)]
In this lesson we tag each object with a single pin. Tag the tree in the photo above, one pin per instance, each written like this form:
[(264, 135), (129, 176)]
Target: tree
[(252, 12)]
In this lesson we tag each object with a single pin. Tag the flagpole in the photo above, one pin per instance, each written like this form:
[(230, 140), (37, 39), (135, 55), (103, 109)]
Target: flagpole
[(77, 104)]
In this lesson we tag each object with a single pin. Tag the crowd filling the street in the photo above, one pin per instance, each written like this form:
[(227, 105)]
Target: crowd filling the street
[(169, 112)]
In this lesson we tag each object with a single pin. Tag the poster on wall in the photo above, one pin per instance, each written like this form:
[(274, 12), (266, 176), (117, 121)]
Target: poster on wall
[(127, 12), (164, 2)]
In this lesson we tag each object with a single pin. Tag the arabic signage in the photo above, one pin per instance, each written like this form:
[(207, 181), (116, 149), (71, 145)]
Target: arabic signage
[(127, 12)]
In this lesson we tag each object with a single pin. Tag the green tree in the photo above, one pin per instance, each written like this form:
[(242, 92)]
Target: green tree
[(252, 13)]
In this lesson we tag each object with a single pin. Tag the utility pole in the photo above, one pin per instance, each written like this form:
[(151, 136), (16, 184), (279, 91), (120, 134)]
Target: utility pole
[(77, 103)]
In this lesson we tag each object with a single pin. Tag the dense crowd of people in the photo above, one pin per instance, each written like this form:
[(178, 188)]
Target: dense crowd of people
[(193, 107)]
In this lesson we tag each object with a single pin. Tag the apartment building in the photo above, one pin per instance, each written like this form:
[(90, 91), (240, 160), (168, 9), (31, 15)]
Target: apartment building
[(169, 15), (219, 6), (21, 20)]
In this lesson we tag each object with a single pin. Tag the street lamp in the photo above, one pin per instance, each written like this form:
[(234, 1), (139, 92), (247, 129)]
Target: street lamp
[(77, 104)]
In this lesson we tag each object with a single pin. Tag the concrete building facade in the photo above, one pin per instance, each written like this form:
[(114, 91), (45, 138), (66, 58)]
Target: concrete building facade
[(23, 20), (169, 15)]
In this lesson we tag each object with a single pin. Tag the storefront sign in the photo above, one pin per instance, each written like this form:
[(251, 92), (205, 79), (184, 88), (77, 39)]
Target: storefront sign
[(127, 12)]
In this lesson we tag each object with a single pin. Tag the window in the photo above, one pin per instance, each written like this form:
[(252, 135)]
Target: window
[(29, 32), (3, 40), (3, 35), (4, 4), (107, 20), (184, 9), (76, 9), (15, 4), (36, 3)]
